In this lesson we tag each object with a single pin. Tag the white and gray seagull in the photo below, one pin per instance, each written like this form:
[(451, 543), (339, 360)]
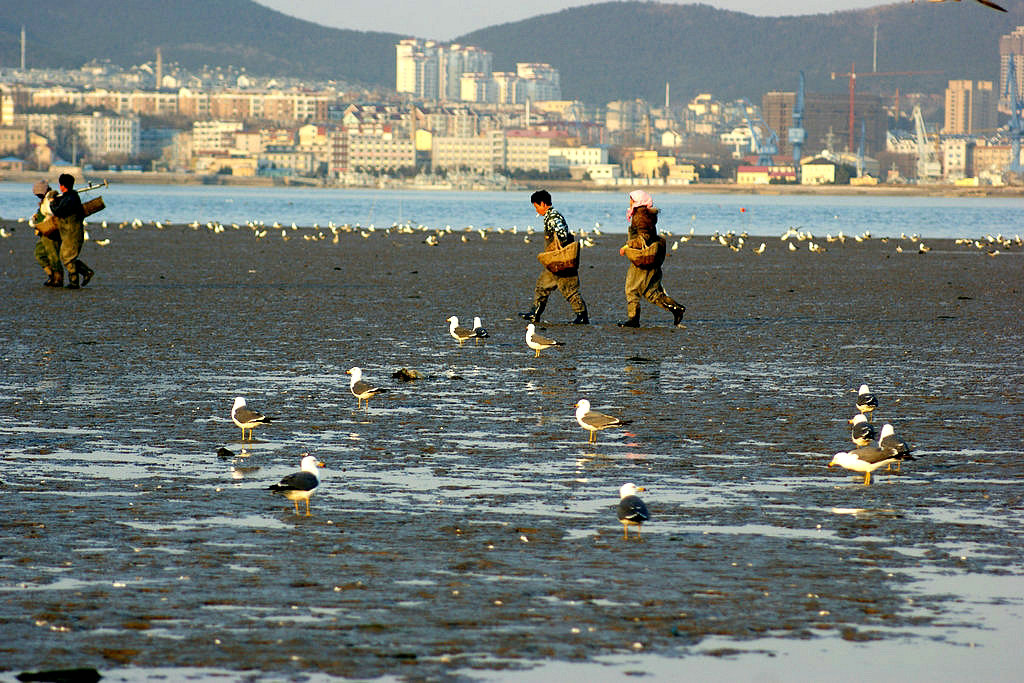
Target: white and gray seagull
[(537, 342), (300, 485), (593, 421), (245, 418), (631, 510), (363, 391)]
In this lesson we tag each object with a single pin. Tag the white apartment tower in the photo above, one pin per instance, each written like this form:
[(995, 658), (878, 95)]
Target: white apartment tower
[(970, 107), (428, 70)]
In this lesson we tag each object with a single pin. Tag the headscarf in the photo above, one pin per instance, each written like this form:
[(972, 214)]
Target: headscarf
[(639, 198)]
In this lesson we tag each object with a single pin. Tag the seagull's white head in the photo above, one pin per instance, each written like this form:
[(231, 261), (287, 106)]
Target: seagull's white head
[(310, 464), (239, 403), (357, 374), (863, 390), (886, 432), (476, 322), (530, 329), (454, 320), (858, 418), (582, 407), (629, 490)]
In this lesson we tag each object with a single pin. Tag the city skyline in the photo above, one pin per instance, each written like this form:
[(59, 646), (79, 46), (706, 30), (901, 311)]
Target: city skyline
[(445, 20)]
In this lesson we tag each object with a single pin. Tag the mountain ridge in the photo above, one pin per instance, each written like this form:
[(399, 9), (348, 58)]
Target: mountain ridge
[(604, 52)]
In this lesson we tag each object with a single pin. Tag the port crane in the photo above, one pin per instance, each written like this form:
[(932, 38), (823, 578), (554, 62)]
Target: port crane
[(764, 140), (928, 166), (797, 134), (852, 75)]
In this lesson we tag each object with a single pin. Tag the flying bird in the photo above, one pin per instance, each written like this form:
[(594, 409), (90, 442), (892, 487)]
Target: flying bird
[(631, 509), (360, 389), (300, 485), (866, 401), (594, 421), (986, 3), (245, 418), (459, 334), (537, 342)]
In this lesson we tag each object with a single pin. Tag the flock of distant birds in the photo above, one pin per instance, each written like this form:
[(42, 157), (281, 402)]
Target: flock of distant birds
[(794, 237)]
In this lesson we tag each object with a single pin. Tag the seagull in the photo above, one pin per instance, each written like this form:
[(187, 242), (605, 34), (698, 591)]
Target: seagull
[(537, 342), (300, 485), (866, 460), (863, 432), (360, 389), (245, 418), (631, 509), (866, 401), (593, 421), (478, 329), (986, 3), (459, 334), (888, 442)]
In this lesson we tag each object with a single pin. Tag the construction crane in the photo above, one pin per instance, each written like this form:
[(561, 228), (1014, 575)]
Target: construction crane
[(1016, 125), (797, 134), (860, 150), (853, 86), (928, 166)]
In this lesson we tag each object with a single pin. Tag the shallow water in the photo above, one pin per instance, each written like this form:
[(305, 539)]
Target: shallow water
[(464, 528)]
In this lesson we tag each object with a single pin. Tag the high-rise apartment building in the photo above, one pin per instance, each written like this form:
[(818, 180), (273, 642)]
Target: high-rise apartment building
[(418, 68), (970, 107), (1011, 48)]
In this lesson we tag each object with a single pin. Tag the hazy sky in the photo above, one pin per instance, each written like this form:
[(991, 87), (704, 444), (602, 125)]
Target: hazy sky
[(446, 19)]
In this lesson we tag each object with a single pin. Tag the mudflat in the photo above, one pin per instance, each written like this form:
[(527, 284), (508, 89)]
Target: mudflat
[(464, 528)]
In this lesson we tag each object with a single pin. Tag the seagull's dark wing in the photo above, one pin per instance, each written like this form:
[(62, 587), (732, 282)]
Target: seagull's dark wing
[(632, 509), (300, 481)]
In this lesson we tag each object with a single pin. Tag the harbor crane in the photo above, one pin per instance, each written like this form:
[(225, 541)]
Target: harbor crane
[(797, 134), (764, 140), (871, 74), (1016, 124), (928, 166)]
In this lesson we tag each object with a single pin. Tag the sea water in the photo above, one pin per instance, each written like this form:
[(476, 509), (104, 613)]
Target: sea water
[(704, 213)]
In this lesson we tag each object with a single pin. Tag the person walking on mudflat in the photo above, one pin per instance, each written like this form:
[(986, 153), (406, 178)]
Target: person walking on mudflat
[(67, 209), (567, 281), (646, 251), (47, 251)]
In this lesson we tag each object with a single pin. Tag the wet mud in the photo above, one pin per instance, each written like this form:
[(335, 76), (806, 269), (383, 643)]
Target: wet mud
[(464, 527)]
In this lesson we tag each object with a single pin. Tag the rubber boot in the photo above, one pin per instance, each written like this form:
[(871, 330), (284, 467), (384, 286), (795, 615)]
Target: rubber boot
[(582, 318), (51, 277), (534, 315), (86, 272), (634, 317), (673, 307), (73, 281), (58, 278)]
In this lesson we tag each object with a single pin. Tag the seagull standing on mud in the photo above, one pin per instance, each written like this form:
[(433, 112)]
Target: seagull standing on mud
[(459, 333), (862, 432), (631, 510), (478, 329), (301, 484), (594, 421), (363, 391), (866, 401), (537, 342), (245, 418)]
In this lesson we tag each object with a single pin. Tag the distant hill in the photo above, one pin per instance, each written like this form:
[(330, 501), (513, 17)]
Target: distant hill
[(622, 50), (614, 50), (193, 33)]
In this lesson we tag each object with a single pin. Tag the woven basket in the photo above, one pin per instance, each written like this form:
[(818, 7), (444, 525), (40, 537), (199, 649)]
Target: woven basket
[(643, 255), (561, 261), (49, 227)]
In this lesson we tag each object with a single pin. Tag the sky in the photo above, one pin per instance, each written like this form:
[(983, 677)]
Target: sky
[(443, 20)]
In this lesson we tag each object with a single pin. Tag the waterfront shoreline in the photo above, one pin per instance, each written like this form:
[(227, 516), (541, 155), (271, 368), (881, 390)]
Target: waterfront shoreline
[(932, 190)]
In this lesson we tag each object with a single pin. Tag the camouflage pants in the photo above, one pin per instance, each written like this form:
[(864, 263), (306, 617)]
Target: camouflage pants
[(568, 286), (47, 253)]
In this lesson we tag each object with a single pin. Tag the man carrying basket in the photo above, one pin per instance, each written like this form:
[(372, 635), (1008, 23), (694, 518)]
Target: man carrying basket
[(646, 252), (561, 260)]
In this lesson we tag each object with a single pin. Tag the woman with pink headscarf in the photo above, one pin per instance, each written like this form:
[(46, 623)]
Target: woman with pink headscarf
[(644, 281)]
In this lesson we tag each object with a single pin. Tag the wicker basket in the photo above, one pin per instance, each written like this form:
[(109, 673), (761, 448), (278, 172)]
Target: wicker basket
[(643, 255), (49, 228), (561, 261)]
